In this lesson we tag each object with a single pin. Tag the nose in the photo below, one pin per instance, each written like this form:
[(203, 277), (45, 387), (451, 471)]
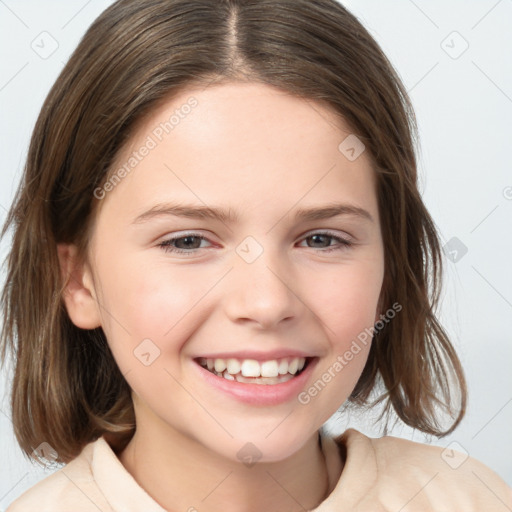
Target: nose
[(262, 292)]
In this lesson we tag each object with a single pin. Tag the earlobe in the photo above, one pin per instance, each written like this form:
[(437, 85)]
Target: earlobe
[(78, 294)]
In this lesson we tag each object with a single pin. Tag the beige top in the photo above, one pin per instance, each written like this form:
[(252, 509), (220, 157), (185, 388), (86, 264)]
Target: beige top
[(383, 474)]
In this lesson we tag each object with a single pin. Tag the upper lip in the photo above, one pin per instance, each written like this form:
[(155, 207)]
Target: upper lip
[(257, 355)]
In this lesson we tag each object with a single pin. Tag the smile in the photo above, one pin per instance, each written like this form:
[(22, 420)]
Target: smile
[(251, 371)]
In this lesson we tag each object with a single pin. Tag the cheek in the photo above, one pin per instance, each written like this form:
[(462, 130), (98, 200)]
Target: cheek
[(152, 304), (346, 304), (346, 301), (147, 322), (161, 301)]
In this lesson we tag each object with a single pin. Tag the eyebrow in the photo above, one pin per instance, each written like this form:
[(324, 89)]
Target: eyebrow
[(229, 216)]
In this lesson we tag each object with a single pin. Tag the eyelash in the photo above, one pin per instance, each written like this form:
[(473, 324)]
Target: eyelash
[(166, 245)]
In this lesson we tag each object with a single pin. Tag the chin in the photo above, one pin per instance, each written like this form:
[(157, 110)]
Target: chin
[(248, 449)]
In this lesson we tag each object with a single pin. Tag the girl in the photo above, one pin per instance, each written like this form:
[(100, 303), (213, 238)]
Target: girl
[(218, 241)]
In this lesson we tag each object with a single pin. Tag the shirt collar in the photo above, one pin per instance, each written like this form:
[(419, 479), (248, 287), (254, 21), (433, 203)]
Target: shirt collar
[(119, 487)]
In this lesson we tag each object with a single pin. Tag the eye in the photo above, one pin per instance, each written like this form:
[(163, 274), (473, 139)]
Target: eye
[(190, 243), (187, 242), (343, 244)]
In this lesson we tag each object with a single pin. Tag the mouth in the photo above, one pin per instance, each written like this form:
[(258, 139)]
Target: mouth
[(254, 380), (252, 371)]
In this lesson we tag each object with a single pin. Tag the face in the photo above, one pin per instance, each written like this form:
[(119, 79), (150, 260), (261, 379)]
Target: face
[(255, 288)]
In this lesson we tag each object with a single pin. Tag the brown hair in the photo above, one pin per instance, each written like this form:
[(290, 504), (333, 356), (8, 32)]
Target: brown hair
[(67, 388)]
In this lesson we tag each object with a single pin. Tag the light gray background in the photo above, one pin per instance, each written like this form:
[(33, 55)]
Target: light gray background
[(463, 102)]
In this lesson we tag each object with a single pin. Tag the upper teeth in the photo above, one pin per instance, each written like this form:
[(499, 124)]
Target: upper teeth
[(253, 368)]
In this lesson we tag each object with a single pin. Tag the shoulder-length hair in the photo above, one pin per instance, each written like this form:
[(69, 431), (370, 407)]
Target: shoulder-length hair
[(67, 388)]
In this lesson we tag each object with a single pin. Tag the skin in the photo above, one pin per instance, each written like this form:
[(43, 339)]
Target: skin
[(264, 154)]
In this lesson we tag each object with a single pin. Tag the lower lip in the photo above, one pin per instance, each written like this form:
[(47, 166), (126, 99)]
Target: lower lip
[(259, 394)]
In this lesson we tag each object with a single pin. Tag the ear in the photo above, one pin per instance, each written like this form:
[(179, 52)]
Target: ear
[(79, 294)]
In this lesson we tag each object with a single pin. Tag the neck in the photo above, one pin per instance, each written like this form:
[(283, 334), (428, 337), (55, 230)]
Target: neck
[(181, 474)]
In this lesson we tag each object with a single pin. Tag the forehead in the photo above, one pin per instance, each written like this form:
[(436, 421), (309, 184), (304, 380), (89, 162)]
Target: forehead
[(244, 145)]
